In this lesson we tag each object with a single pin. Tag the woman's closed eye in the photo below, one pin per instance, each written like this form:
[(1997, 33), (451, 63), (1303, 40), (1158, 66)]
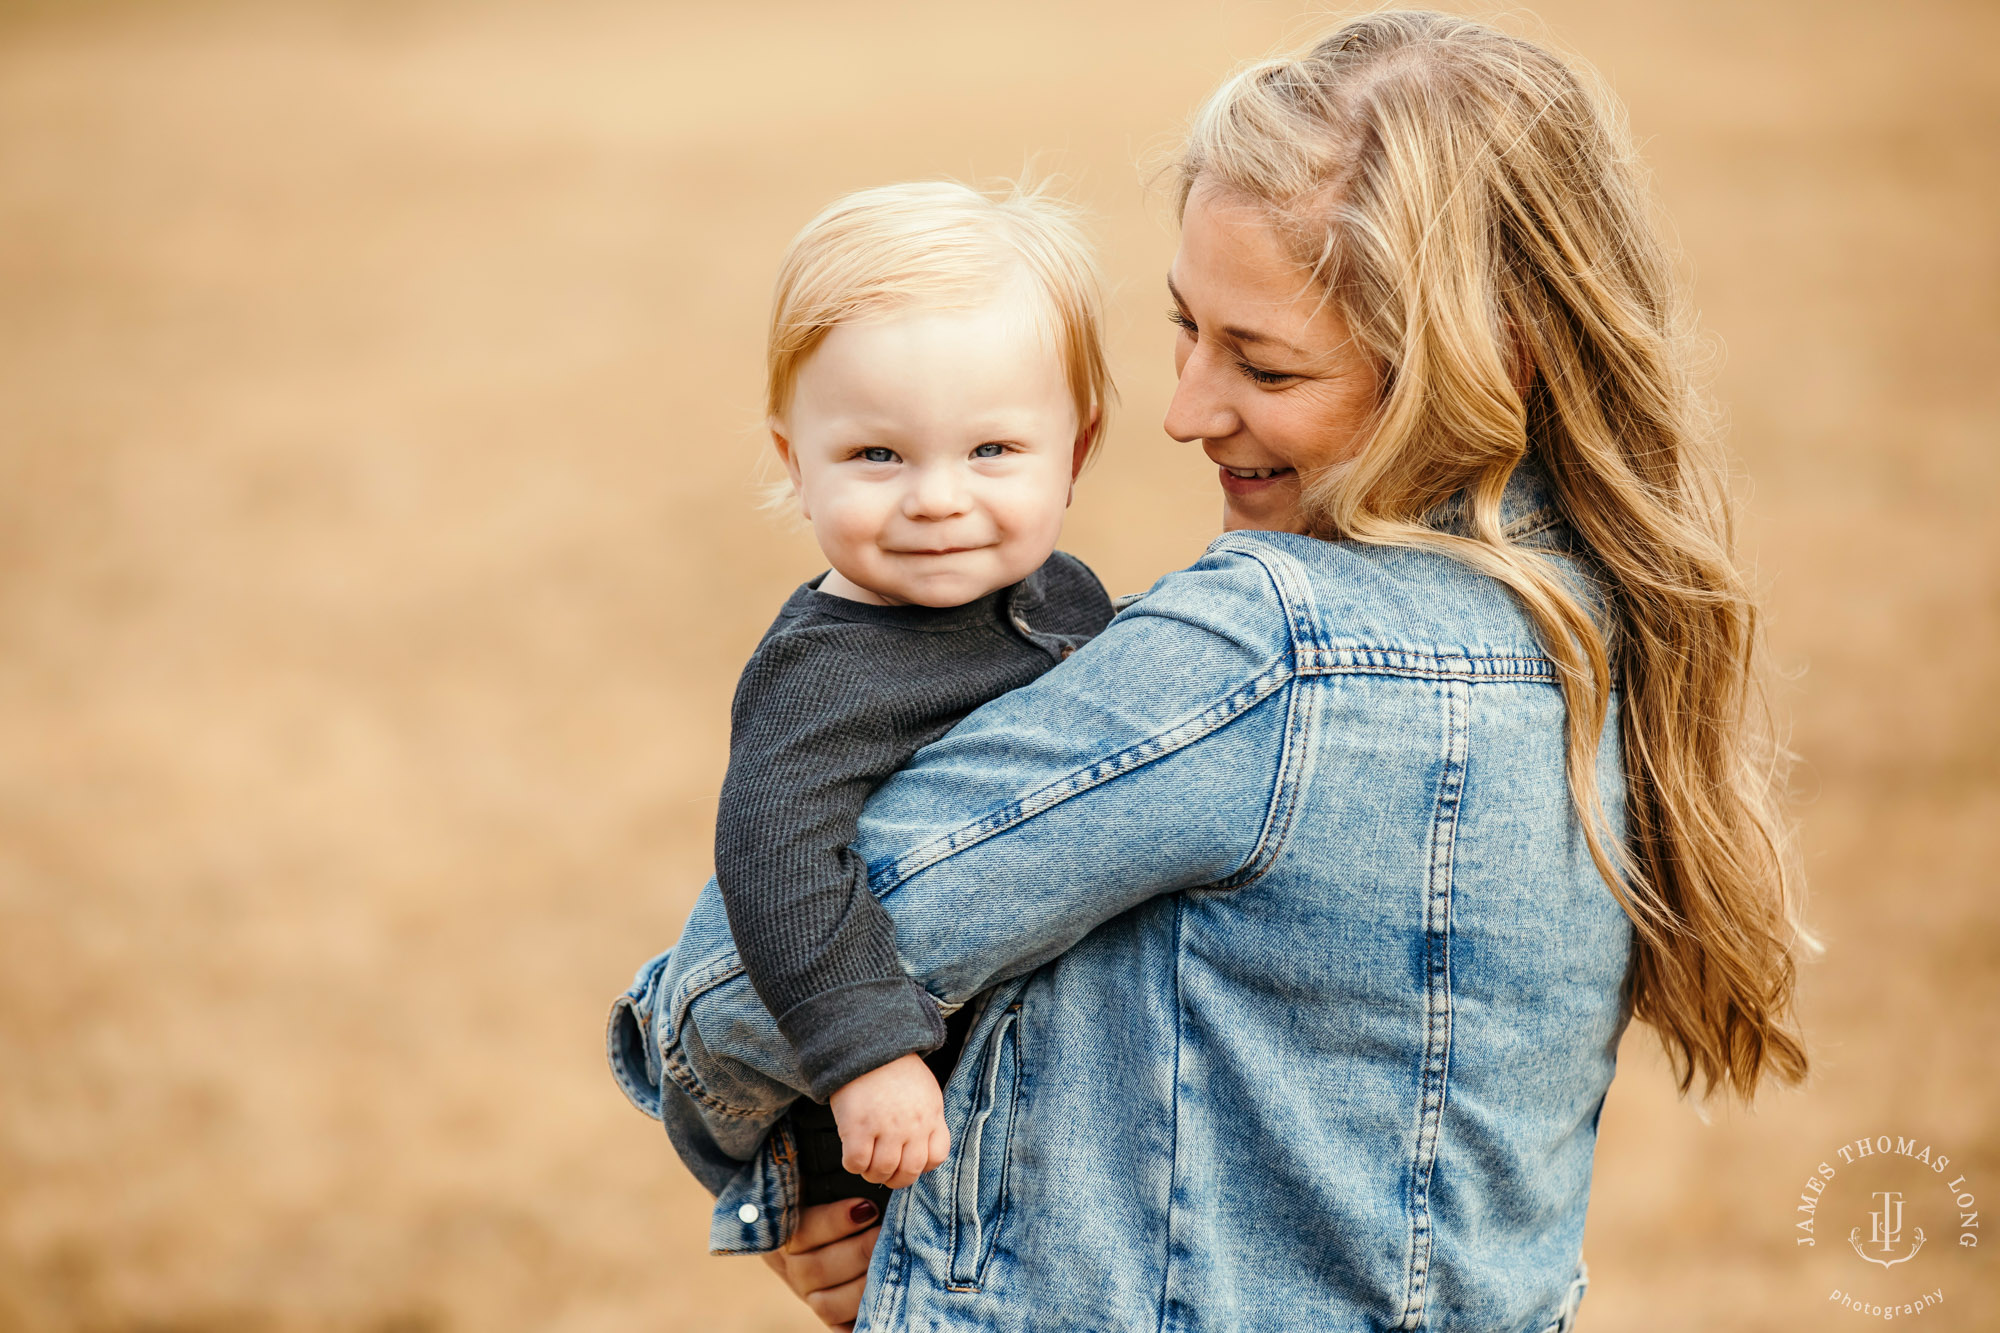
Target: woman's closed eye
[(1256, 375)]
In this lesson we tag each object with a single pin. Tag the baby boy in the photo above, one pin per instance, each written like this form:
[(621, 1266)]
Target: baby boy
[(936, 382)]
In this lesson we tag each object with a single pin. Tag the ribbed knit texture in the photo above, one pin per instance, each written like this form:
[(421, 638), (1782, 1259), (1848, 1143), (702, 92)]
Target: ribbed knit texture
[(838, 696)]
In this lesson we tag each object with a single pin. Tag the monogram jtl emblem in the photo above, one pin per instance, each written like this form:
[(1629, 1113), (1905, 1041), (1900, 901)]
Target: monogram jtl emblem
[(1885, 1230)]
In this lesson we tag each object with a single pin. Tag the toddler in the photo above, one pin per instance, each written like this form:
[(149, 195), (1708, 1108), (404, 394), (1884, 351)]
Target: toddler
[(936, 381)]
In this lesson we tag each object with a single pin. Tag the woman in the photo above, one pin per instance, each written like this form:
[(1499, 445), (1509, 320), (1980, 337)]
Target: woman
[(1303, 909)]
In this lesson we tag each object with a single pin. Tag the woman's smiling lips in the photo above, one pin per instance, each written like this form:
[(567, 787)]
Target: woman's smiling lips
[(1251, 480)]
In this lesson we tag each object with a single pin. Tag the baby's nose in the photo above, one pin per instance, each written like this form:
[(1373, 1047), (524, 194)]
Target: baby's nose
[(935, 493)]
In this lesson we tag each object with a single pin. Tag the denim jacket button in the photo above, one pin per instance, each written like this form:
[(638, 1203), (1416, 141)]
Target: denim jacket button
[(748, 1212)]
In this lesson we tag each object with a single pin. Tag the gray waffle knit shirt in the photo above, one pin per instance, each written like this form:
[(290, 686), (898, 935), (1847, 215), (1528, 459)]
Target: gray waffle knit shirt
[(838, 696)]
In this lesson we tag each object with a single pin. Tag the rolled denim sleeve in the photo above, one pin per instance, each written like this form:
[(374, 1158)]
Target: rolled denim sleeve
[(1149, 762)]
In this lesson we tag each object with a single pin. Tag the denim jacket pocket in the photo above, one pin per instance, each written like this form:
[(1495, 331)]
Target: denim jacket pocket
[(979, 1181)]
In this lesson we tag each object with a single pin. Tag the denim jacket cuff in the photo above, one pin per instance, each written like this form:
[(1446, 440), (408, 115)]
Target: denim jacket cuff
[(841, 1034), (628, 1038)]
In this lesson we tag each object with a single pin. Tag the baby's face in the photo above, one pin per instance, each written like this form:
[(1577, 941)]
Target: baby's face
[(933, 452)]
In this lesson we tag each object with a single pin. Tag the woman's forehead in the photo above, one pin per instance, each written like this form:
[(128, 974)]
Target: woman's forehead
[(1234, 265)]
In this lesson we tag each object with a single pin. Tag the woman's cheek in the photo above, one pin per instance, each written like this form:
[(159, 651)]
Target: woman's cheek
[(1321, 425)]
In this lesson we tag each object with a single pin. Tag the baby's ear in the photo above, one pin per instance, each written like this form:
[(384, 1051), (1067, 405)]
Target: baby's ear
[(782, 442), (1085, 438)]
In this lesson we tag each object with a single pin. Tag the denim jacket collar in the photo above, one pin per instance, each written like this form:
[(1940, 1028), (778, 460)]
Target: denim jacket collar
[(1528, 507)]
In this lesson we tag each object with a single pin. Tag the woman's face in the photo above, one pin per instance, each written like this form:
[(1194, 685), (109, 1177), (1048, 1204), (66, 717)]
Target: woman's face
[(1270, 380)]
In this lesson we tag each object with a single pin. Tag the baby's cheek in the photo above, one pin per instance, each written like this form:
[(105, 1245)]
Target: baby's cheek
[(847, 528), (1036, 508), (1031, 527)]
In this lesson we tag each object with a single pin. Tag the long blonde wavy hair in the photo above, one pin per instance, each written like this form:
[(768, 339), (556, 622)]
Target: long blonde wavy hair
[(1477, 212)]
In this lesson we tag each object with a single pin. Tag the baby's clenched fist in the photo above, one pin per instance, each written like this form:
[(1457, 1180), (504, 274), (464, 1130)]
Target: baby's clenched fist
[(892, 1123)]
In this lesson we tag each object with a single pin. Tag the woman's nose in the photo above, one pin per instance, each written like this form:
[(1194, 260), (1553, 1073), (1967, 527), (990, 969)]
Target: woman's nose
[(1200, 409), (935, 493)]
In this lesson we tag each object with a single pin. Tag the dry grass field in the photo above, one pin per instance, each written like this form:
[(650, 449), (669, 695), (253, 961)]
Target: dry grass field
[(378, 546)]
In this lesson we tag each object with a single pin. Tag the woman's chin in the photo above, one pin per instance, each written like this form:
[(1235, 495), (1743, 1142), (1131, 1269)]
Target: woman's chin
[(1271, 509)]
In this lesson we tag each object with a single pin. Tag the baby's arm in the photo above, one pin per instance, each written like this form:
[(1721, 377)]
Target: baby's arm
[(806, 749)]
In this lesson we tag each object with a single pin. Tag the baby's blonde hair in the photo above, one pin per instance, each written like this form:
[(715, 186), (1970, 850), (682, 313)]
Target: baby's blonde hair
[(939, 245), (1475, 209)]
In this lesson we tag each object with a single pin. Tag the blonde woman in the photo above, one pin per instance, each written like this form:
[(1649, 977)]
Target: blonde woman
[(1300, 912)]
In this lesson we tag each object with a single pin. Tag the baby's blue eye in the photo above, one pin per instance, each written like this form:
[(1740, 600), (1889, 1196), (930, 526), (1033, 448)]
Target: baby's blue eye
[(879, 455), (989, 451)]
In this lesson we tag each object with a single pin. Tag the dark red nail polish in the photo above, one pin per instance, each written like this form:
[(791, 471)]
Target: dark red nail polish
[(863, 1213)]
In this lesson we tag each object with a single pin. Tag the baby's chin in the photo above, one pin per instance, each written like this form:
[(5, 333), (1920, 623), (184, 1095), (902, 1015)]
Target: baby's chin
[(942, 593), (953, 587)]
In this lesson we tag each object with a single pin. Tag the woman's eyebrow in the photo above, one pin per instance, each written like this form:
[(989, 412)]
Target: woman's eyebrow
[(1241, 335)]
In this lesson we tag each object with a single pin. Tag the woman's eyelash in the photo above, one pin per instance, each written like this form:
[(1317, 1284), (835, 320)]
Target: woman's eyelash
[(1179, 320)]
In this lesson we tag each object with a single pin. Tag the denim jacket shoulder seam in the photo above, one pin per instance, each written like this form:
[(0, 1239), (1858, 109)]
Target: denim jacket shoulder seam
[(1314, 655), (1289, 581), (1428, 664)]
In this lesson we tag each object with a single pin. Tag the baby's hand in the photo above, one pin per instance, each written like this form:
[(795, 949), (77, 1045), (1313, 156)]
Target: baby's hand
[(892, 1123)]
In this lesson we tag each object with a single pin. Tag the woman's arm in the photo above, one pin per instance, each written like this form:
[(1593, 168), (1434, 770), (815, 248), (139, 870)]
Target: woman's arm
[(1155, 759)]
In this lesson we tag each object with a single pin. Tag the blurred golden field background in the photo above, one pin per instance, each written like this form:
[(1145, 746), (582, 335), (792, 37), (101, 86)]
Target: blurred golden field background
[(379, 395)]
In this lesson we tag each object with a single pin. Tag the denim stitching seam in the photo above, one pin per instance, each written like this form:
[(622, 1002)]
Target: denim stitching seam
[(1178, 737), (673, 1060), (1292, 759), (1437, 998), (1288, 579), (675, 1066), (1470, 667), (1173, 1127), (785, 1160)]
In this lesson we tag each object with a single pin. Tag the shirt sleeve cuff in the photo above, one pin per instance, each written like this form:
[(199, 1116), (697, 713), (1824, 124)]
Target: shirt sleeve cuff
[(843, 1033)]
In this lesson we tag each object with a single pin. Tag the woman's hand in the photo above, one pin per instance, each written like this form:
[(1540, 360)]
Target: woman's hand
[(826, 1260)]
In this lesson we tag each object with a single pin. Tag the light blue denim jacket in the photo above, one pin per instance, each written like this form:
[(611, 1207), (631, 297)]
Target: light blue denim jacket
[(1298, 994)]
